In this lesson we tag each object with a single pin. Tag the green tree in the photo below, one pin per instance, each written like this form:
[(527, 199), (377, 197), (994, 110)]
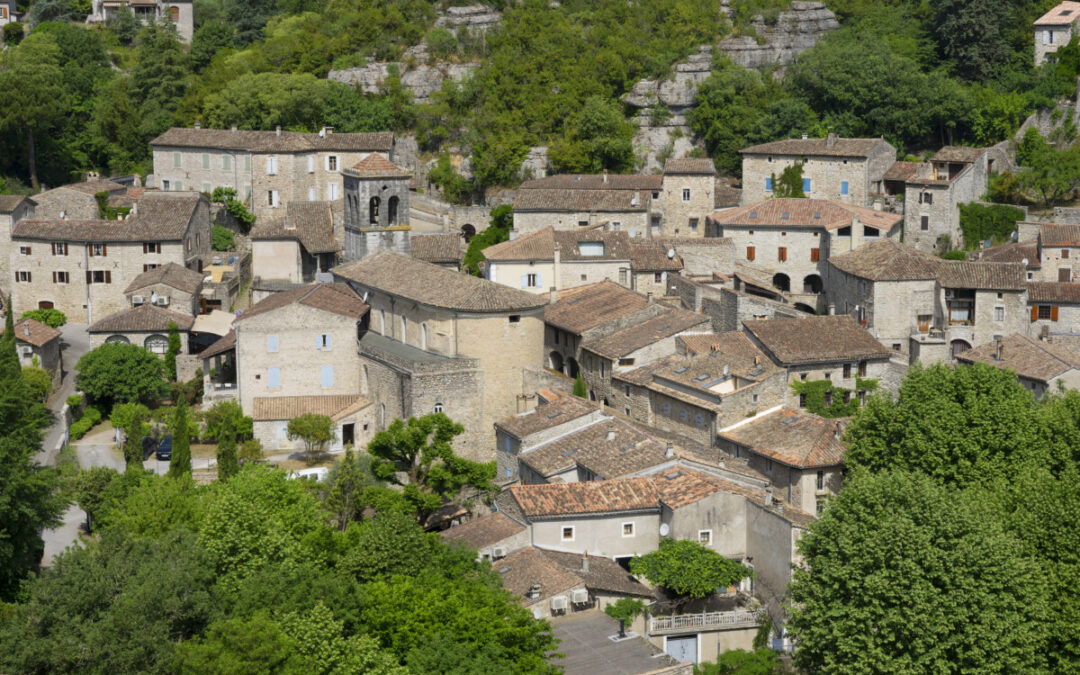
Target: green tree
[(53, 318), (688, 569), (580, 388), (89, 492), (214, 420), (227, 463), (349, 477), (118, 373), (223, 239), (498, 231), (421, 449), (32, 94), (598, 139), (969, 35), (131, 417), (742, 662), (625, 609), (790, 183), (208, 39), (159, 77), (904, 575), (316, 431), (180, 462), (13, 33), (38, 382), (124, 25), (1052, 175), (172, 351)]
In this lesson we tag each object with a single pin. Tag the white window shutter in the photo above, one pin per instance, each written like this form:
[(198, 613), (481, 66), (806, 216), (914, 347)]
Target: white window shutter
[(311, 194), (539, 280), (318, 342), (524, 280), (275, 193), (328, 341), (269, 165), (311, 163)]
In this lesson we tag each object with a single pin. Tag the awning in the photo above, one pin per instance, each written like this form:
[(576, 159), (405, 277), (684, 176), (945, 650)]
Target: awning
[(216, 322)]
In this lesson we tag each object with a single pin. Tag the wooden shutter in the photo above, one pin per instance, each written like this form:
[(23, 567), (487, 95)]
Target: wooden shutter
[(54, 277), (144, 248), (781, 253), (53, 245), (815, 254), (1034, 313), (104, 249), (108, 277), (749, 252), (1053, 312), (91, 247), (30, 277)]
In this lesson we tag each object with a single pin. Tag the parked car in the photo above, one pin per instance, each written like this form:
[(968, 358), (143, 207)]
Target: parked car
[(148, 446), (320, 474), (164, 449)]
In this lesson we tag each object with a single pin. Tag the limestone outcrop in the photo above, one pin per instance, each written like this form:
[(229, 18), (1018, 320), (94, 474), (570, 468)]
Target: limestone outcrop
[(422, 79), (473, 17)]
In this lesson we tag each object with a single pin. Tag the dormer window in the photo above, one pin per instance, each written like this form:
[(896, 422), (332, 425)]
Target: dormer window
[(591, 248)]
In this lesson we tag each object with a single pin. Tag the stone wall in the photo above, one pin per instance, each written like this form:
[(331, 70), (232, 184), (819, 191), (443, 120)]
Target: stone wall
[(705, 256), (732, 308)]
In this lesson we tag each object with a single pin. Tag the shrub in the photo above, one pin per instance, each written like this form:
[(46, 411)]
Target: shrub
[(223, 239), (13, 33), (74, 401), (38, 382), (50, 317), (90, 418), (996, 223)]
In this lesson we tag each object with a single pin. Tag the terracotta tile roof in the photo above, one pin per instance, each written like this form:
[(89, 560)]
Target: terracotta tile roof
[(733, 343), (546, 416), (1059, 235), (643, 375), (584, 307), (821, 213), (310, 223), (958, 154), (226, 343), (628, 451), (604, 496), (726, 195), (652, 255), (1027, 357), (270, 141), (816, 339), (484, 531), (1061, 292), (581, 200), (886, 260), (9, 203), (604, 574), (436, 286), (1063, 14), (33, 332), (275, 408), (1012, 252), (688, 165), (616, 244), (375, 165), (901, 171), (793, 438), (645, 333), (170, 274), (817, 147), (95, 185), (681, 487), (161, 216), (529, 567), (142, 319), (335, 298), (982, 275), (436, 248), (596, 181)]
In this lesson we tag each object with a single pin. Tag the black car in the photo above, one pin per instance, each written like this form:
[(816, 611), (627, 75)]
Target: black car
[(148, 445), (164, 449)]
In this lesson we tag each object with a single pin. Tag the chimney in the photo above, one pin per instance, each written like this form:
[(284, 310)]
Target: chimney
[(329, 130), (649, 297), (610, 434), (999, 350), (278, 131), (198, 125), (605, 176), (836, 431), (322, 132), (234, 128), (669, 451), (556, 264), (804, 137), (553, 296), (26, 330), (585, 562), (832, 309), (757, 360), (830, 140)]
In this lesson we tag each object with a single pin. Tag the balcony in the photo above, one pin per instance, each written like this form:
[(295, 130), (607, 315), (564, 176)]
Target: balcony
[(680, 623)]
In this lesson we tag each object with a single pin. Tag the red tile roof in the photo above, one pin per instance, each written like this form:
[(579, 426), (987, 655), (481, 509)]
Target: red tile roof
[(821, 213), (375, 165), (170, 274), (605, 496), (817, 147), (1059, 235), (484, 531), (688, 165), (793, 438), (276, 408), (1061, 15), (1027, 357), (1062, 292), (645, 333), (816, 339), (33, 332), (273, 141), (336, 298), (142, 319), (584, 307)]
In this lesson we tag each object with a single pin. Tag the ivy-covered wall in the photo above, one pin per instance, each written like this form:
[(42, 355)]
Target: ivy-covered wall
[(817, 391)]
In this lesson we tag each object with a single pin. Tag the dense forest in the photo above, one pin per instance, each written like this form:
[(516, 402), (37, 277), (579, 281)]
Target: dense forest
[(921, 73)]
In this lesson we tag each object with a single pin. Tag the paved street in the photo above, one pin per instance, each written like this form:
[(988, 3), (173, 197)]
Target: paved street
[(74, 342)]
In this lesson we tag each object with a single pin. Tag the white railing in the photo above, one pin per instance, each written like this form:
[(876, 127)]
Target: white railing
[(738, 617)]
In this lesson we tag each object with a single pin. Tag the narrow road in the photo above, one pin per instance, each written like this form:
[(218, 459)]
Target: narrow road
[(74, 342)]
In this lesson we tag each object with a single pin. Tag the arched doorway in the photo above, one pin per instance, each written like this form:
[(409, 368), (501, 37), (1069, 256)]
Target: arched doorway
[(811, 283), (958, 347), (392, 210), (468, 231), (45, 304), (556, 361), (373, 211), (117, 340), (158, 344), (572, 368), (803, 307), (782, 282)]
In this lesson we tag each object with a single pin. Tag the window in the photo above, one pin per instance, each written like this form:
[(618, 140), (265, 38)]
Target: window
[(847, 371), (999, 314), (1045, 312), (439, 408), (405, 329), (165, 185), (686, 194), (530, 280), (806, 185), (583, 223), (322, 342), (768, 184), (331, 163), (628, 529), (99, 249), (815, 254), (206, 187), (271, 166), (271, 343), (584, 277), (820, 480), (326, 376), (667, 409), (843, 187), (273, 378), (693, 224), (781, 254), (176, 160), (699, 420), (615, 226), (768, 466), (24, 250), (828, 376), (924, 223), (151, 247), (568, 533), (311, 194), (61, 278), (98, 277), (802, 400), (626, 411), (206, 160), (704, 537), (755, 398), (658, 277), (622, 276), (311, 163), (331, 192), (22, 277), (926, 198), (862, 368), (226, 162), (178, 186), (1064, 253), (514, 318), (682, 415), (749, 252), (1046, 37), (626, 389)]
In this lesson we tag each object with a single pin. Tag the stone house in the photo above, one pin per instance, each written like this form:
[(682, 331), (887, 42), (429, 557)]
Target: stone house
[(574, 313), (1059, 252), (832, 348), (933, 194), (1040, 366), (1054, 309), (801, 454), (922, 306), (169, 285), (539, 261), (687, 197), (520, 433), (8, 13), (352, 417), (654, 263), (145, 325), (1054, 29), (34, 339), (444, 250), (791, 240), (492, 536), (844, 170), (77, 201), (219, 370), (1026, 252), (376, 207), (441, 341), (78, 266), (695, 396), (13, 208), (178, 12), (300, 344), (268, 169), (297, 249)]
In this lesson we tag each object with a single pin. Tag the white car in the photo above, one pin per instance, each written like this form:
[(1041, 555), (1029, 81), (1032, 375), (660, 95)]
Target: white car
[(320, 474)]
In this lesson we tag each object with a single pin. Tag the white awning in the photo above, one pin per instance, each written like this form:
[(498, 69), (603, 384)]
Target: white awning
[(216, 322)]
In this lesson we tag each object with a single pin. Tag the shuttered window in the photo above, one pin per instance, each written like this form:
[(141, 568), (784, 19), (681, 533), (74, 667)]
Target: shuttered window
[(273, 378), (749, 252), (815, 254)]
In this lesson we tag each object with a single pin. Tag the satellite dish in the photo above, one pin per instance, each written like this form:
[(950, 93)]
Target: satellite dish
[(664, 529), (1025, 261), (671, 253)]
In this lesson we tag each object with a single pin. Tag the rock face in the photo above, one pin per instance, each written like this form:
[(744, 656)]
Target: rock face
[(796, 30), (421, 80), (475, 17)]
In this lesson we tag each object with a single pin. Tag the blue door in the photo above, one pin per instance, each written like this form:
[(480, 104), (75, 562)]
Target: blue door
[(683, 648)]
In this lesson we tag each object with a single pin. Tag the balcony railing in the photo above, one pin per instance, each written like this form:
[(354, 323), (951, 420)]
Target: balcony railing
[(740, 618)]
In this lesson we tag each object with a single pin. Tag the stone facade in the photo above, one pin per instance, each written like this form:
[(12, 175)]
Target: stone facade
[(173, 298), (181, 13), (685, 202), (376, 211), (635, 220), (1054, 29), (932, 197), (12, 210), (151, 340)]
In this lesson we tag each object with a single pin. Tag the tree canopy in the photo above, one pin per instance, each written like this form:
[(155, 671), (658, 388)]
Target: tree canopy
[(688, 568), (121, 373)]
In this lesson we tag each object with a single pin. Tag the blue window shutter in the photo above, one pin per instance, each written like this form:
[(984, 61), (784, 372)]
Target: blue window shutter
[(328, 340), (539, 280), (768, 184), (506, 440), (524, 280), (273, 378), (843, 187), (327, 376), (271, 343), (806, 185)]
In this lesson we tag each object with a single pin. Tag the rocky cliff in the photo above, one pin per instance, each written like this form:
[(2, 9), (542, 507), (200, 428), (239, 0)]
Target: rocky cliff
[(421, 80), (795, 31)]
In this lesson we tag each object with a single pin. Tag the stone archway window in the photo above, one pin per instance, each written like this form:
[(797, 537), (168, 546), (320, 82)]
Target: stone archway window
[(373, 211), (392, 210), (158, 344), (117, 340)]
